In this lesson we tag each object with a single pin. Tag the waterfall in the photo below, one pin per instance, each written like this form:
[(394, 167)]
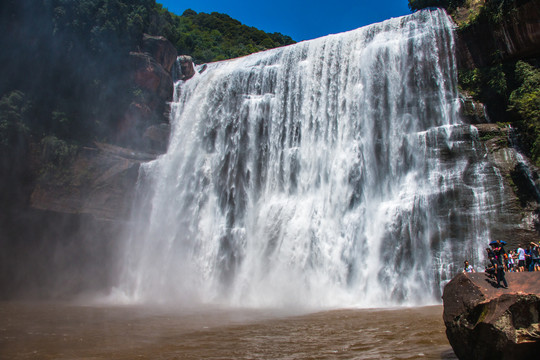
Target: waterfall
[(332, 172)]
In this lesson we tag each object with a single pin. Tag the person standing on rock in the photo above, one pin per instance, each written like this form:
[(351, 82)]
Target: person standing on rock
[(499, 267), (528, 258), (535, 257), (521, 259), (468, 268), (511, 263), (490, 268), (503, 253)]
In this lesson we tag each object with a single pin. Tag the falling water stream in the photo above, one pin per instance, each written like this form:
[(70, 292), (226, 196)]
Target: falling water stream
[(330, 173)]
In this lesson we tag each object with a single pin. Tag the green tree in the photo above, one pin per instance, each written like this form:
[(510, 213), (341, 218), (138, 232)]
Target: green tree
[(525, 100), (14, 110), (415, 5)]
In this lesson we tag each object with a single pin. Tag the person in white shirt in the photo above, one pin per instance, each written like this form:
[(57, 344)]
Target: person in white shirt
[(468, 268), (511, 267), (521, 259)]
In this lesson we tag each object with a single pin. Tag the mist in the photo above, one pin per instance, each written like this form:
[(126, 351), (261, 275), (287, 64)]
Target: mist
[(67, 85)]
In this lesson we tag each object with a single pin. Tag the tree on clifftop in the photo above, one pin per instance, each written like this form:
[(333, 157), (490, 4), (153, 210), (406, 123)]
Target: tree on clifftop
[(415, 5)]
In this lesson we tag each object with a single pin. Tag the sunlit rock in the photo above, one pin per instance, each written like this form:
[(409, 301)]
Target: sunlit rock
[(185, 67), (150, 75), (484, 321)]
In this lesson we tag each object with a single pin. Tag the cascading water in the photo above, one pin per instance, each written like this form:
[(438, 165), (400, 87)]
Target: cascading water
[(333, 172)]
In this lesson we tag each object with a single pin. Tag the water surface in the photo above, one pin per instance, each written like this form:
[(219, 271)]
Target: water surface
[(62, 331)]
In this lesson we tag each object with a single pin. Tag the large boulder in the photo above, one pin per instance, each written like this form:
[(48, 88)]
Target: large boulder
[(185, 67), (161, 49), (484, 321), (150, 75)]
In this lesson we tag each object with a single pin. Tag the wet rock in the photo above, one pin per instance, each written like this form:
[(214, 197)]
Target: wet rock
[(519, 211), (472, 111), (495, 137), (486, 322), (158, 137), (100, 182)]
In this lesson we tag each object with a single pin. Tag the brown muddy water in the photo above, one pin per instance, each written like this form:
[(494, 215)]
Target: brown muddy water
[(63, 331)]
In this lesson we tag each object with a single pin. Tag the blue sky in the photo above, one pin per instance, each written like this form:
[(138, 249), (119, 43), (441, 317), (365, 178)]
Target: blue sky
[(300, 19)]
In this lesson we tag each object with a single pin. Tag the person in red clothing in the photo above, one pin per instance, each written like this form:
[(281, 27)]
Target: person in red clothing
[(498, 249)]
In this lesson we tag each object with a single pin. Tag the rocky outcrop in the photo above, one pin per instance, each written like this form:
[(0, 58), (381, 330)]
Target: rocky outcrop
[(186, 67), (100, 182), (149, 75), (516, 36), (161, 50), (486, 322), (151, 84)]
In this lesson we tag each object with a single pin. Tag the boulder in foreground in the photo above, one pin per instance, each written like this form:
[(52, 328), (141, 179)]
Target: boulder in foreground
[(486, 322)]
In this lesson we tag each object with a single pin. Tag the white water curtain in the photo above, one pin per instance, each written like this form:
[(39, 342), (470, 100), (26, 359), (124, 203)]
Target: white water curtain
[(333, 172)]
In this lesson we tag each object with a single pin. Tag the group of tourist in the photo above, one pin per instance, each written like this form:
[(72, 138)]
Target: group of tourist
[(524, 258)]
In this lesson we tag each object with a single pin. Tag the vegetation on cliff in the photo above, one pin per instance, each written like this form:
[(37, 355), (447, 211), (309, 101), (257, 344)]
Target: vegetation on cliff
[(69, 58), (67, 77), (423, 4)]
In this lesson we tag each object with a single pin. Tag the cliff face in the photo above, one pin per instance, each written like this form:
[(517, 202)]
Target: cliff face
[(100, 181), (59, 233), (484, 42), (152, 84), (519, 210), (515, 37)]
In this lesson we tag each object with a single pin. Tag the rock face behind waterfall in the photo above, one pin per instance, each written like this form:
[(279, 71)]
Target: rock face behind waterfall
[(485, 322)]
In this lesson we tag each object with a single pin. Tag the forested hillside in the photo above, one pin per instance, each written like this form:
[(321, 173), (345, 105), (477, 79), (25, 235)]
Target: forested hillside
[(215, 36), (67, 73), (63, 60)]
